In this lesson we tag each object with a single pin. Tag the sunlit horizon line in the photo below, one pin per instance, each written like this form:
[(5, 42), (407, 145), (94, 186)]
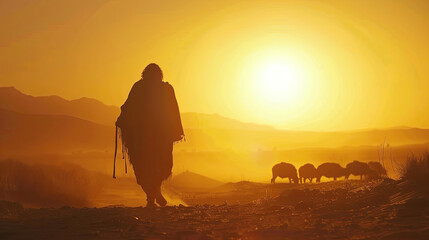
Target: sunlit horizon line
[(239, 120)]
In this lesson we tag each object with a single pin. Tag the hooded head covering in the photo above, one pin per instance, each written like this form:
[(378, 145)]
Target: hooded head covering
[(152, 72)]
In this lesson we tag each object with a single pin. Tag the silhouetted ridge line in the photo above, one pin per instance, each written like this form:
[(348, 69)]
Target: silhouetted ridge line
[(84, 108)]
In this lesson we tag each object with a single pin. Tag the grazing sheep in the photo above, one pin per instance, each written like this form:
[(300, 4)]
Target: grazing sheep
[(330, 170), (285, 170), (308, 171), (358, 169), (377, 168)]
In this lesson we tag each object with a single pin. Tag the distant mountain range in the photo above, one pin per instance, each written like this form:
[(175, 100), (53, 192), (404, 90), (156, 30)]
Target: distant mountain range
[(54, 125), (95, 111), (84, 108), (193, 120)]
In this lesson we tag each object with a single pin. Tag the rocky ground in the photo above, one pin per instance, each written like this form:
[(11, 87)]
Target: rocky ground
[(382, 209)]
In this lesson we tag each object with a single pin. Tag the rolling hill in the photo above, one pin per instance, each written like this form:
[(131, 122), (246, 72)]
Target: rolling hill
[(37, 133), (193, 181)]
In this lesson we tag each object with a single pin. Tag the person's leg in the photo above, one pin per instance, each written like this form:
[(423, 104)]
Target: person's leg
[(150, 197), (164, 169), (159, 198), (141, 178)]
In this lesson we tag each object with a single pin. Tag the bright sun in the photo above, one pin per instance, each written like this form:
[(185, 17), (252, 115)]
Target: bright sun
[(278, 85), (278, 82)]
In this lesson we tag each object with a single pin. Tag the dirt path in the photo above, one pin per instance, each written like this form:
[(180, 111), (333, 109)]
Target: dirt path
[(377, 210)]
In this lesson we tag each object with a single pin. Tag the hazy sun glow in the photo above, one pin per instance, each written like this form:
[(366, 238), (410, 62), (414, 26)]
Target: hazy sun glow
[(278, 82)]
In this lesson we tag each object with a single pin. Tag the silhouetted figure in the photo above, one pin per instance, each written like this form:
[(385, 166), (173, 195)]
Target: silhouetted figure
[(330, 170), (284, 170), (308, 171), (150, 123), (358, 169)]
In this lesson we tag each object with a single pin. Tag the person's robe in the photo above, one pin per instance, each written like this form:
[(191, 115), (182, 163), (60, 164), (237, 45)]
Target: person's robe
[(150, 123)]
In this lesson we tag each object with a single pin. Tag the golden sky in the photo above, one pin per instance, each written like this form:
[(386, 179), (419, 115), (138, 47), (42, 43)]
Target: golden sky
[(305, 65)]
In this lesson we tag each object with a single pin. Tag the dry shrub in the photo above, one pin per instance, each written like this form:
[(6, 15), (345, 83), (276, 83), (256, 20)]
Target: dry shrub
[(416, 170)]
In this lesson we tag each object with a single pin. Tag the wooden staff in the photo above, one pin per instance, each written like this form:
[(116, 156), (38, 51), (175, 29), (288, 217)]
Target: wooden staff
[(116, 148)]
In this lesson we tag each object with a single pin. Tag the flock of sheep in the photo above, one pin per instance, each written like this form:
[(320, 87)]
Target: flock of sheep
[(329, 170)]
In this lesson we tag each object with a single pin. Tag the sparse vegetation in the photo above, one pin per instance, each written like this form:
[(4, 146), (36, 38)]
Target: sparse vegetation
[(416, 169)]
